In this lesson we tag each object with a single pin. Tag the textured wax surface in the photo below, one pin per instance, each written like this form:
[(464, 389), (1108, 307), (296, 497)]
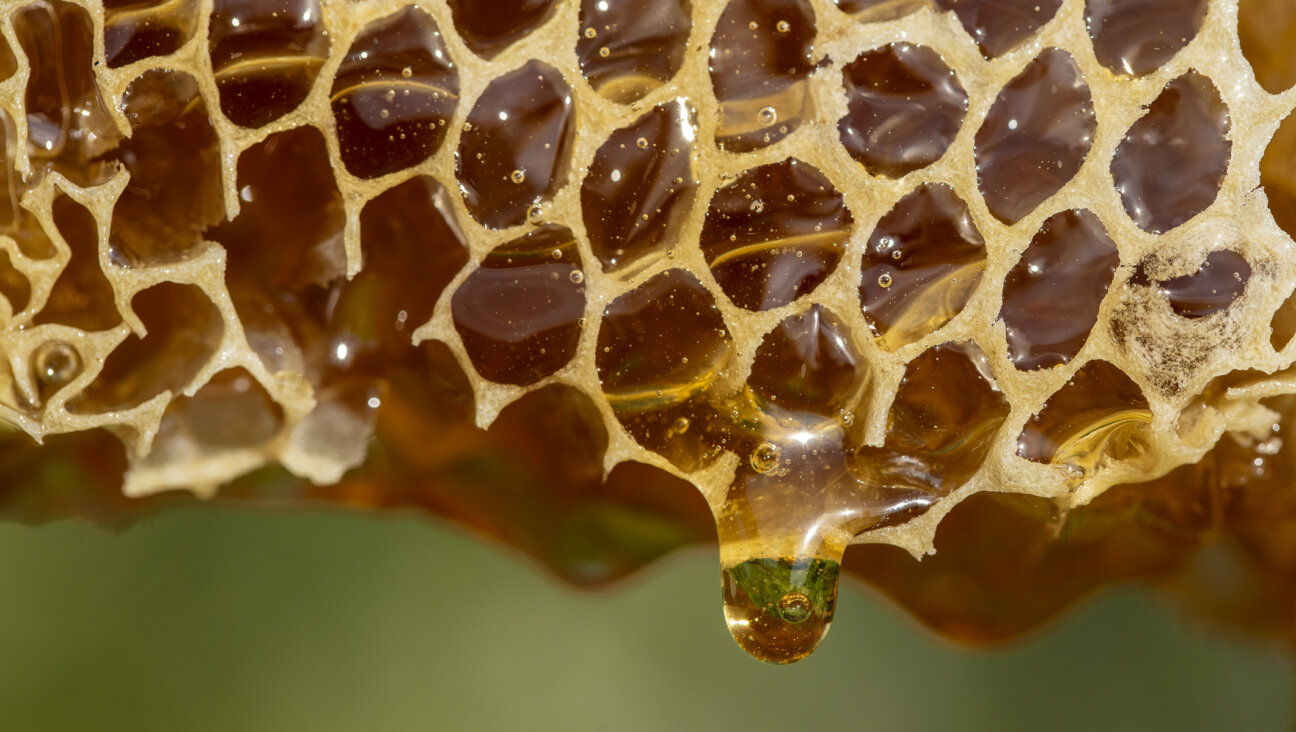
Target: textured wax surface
[(840, 269)]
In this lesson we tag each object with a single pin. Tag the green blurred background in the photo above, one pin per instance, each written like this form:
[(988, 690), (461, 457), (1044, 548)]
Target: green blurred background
[(218, 618)]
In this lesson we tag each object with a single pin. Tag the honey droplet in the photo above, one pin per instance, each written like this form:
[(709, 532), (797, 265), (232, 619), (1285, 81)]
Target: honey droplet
[(778, 610), (765, 458)]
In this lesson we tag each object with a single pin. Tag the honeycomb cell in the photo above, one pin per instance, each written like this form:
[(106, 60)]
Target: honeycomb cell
[(640, 186), (1051, 297), (514, 149), (137, 29), (67, 119), (1278, 175), (286, 332), (284, 254), (8, 62), (1171, 163), (761, 58), (265, 55), (999, 26), (183, 331), (1100, 416), (230, 412), (1138, 37), (490, 26), (412, 250), (809, 363), (876, 11), (16, 221), (13, 285), (1283, 325), (920, 266), (1035, 137), (82, 296), (660, 348), (939, 430), (627, 48), (393, 94), (774, 234), (904, 108), (1222, 279), (1267, 30), (519, 313), (173, 157)]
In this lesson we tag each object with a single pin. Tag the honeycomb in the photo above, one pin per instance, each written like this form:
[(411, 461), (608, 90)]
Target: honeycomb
[(1010, 276)]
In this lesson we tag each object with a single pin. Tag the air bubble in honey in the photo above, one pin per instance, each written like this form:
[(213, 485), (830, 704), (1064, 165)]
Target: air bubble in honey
[(765, 458), (54, 364)]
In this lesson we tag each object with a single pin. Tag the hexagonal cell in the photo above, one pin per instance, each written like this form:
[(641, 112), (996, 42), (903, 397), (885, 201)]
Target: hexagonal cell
[(58, 38), (16, 221), (809, 363), (1220, 281), (393, 94), (1051, 297), (1035, 137), (1138, 37), (876, 11), (490, 26), (230, 412), (640, 186), (1171, 163), (265, 56), (82, 296), (774, 233), (13, 285), (173, 157), (412, 249), (1283, 325), (137, 29), (761, 57), (1278, 175), (8, 61), (519, 313), (904, 108), (1099, 417), (1267, 29), (939, 430), (284, 254), (999, 26), (184, 330), (627, 48), (660, 348), (514, 150), (920, 266)]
